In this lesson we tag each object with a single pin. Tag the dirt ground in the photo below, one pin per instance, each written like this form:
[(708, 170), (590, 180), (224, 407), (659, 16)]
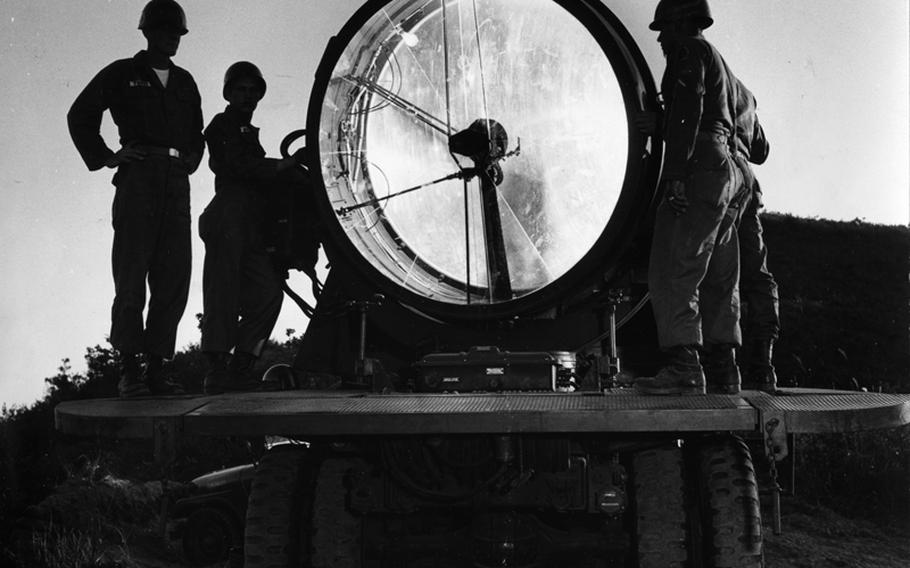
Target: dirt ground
[(812, 537), (816, 537)]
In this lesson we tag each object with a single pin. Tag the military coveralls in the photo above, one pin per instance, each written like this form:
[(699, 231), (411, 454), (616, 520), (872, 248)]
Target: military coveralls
[(151, 209), (694, 264), (242, 292), (757, 285)]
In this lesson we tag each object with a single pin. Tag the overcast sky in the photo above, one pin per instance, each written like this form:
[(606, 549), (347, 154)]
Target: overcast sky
[(831, 78)]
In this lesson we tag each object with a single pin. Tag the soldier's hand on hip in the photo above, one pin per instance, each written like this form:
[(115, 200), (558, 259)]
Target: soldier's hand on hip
[(126, 154), (675, 191)]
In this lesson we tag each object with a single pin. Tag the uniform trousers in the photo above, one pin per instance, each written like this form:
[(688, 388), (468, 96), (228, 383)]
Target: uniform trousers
[(242, 292), (151, 220), (693, 272), (757, 285)]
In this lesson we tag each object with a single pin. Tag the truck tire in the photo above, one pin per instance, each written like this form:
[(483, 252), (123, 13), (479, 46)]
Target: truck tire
[(278, 515), (337, 538), (208, 536), (730, 508), (660, 508)]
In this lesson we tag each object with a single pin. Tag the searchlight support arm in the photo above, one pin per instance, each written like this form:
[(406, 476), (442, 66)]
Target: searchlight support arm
[(400, 102), (466, 174)]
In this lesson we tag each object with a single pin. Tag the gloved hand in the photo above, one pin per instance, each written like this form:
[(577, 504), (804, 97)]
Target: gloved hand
[(675, 192)]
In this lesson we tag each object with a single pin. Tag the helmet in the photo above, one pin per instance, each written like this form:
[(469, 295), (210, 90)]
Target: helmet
[(241, 70), (674, 10), (163, 14)]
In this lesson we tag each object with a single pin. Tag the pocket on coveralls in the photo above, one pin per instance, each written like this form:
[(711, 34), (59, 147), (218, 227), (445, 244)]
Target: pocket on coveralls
[(710, 178), (132, 200), (181, 190)]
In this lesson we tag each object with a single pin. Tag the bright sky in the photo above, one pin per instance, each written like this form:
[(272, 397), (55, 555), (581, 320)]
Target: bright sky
[(831, 78)]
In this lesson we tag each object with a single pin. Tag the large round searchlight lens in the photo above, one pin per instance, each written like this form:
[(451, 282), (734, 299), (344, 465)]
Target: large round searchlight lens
[(476, 152)]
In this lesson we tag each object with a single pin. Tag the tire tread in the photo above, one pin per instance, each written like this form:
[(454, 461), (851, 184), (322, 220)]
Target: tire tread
[(662, 539), (730, 497)]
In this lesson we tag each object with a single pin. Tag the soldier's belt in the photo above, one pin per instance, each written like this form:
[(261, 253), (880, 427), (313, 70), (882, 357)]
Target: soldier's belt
[(161, 151)]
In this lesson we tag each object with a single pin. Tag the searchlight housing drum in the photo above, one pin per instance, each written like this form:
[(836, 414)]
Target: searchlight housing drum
[(478, 157)]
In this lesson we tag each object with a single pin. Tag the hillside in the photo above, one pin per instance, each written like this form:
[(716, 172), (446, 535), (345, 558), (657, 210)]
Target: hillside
[(845, 302)]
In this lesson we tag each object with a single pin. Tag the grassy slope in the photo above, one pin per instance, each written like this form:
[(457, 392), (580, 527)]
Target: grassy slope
[(845, 320)]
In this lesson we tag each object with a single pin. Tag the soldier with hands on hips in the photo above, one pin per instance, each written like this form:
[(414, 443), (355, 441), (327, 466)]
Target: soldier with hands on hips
[(157, 110)]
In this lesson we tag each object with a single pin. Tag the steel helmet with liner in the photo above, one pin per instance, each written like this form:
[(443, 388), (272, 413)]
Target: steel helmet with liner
[(242, 70), (163, 14), (674, 10)]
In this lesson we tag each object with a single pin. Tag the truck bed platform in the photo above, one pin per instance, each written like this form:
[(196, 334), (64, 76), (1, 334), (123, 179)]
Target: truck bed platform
[(305, 413)]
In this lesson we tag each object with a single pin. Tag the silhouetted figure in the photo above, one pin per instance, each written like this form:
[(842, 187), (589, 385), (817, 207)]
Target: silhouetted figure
[(242, 290), (694, 265), (756, 283), (157, 110)]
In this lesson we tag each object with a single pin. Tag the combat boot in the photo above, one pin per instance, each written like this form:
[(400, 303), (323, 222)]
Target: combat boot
[(153, 376), (241, 371), (682, 374), (721, 371), (217, 377), (760, 373), (131, 383), (230, 374)]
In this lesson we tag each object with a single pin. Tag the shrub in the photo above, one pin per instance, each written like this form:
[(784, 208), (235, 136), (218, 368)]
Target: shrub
[(864, 474)]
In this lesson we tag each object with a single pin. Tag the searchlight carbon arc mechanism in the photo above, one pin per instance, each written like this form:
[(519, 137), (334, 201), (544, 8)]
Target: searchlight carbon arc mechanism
[(478, 157)]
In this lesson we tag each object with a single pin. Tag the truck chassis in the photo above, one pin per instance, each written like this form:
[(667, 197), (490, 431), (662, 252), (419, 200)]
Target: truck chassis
[(498, 479)]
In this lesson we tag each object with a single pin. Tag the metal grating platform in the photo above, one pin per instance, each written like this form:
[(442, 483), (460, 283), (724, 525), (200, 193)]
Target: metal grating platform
[(808, 411), (320, 413), (476, 413)]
